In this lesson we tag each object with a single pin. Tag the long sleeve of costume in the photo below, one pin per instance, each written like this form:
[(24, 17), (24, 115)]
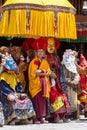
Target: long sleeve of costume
[(19, 88), (67, 75), (9, 84), (62, 78), (76, 79), (70, 77), (5, 90)]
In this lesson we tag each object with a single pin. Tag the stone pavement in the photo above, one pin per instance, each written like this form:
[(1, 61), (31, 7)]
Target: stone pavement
[(80, 124), (82, 119)]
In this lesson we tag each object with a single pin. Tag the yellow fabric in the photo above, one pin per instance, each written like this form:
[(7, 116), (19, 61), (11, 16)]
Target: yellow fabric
[(83, 99), (10, 79), (41, 24), (64, 3), (17, 24), (21, 75), (81, 70), (22, 1), (56, 105), (78, 102), (4, 24), (34, 81), (66, 26)]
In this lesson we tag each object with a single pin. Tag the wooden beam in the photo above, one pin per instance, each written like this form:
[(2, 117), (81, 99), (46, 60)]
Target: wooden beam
[(3, 1), (0, 9), (81, 18)]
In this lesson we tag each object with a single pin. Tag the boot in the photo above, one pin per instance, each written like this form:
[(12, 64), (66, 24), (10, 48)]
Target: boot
[(36, 121), (43, 121)]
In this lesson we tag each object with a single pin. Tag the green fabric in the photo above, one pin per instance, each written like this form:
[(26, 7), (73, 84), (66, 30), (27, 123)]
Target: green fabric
[(78, 40)]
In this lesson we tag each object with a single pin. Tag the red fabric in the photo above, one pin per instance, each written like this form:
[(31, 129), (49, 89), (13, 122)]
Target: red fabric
[(82, 33), (66, 102), (39, 103), (36, 62), (26, 45), (83, 61), (80, 95), (53, 95), (57, 44), (43, 85), (40, 43), (83, 80), (53, 62)]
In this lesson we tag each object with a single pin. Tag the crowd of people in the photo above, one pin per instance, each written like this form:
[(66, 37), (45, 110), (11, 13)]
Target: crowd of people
[(37, 87)]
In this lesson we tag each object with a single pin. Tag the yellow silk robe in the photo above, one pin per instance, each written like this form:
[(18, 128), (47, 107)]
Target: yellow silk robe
[(34, 80)]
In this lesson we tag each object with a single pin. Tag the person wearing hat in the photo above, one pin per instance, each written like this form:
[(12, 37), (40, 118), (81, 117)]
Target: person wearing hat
[(39, 67), (17, 106), (27, 46), (58, 100)]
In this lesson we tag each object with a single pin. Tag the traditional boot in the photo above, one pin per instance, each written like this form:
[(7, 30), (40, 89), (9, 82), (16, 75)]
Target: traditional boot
[(36, 121), (43, 121), (57, 118)]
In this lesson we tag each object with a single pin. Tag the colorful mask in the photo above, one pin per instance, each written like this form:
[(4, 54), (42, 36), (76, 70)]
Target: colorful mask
[(69, 60), (9, 63), (51, 45)]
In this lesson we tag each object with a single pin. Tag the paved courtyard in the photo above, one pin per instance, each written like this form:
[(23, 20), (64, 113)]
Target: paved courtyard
[(73, 125)]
